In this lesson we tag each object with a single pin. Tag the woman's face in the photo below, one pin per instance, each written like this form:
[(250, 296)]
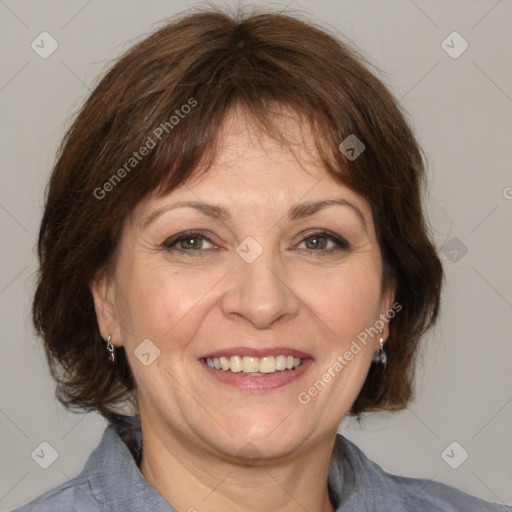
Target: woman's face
[(282, 261)]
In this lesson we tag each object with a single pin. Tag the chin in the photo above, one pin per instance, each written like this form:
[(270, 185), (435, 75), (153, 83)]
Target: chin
[(260, 439)]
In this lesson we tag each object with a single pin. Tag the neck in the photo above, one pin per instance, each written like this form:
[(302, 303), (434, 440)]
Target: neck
[(193, 480)]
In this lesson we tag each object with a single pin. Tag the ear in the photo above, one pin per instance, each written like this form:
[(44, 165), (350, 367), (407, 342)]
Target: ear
[(103, 293), (388, 309)]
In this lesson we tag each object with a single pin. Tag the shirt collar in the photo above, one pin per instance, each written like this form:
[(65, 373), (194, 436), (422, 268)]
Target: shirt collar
[(117, 483)]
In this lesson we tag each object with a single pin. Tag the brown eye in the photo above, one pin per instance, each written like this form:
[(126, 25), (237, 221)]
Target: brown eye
[(324, 242), (317, 242), (187, 242), (191, 242)]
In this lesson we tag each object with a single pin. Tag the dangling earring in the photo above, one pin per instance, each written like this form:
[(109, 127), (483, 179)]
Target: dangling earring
[(380, 356), (111, 348)]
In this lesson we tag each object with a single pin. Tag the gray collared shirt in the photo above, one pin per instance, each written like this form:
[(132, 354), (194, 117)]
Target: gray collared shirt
[(112, 481)]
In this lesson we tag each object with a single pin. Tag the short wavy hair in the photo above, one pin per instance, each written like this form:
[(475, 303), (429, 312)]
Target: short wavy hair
[(170, 94)]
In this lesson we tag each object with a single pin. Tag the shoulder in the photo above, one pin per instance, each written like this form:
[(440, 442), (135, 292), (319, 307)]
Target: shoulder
[(110, 479), (388, 492), (86, 491), (75, 495)]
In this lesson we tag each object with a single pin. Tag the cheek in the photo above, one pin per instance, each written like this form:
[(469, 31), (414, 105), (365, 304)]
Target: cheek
[(347, 299), (160, 303)]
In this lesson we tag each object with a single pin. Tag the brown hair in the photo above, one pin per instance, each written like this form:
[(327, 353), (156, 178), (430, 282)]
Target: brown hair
[(170, 94)]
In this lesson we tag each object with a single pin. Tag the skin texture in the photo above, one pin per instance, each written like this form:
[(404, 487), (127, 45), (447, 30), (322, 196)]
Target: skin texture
[(293, 295)]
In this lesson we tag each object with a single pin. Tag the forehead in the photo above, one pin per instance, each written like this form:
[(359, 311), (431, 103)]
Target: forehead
[(286, 134), (246, 156), (255, 169)]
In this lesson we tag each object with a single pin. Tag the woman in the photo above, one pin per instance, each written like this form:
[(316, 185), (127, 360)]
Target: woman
[(233, 258)]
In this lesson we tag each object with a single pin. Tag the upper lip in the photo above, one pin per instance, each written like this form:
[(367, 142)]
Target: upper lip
[(257, 352)]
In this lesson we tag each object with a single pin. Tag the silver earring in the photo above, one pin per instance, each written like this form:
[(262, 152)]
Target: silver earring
[(111, 348), (380, 356)]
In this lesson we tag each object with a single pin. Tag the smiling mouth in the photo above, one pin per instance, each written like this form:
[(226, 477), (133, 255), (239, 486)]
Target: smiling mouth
[(254, 366)]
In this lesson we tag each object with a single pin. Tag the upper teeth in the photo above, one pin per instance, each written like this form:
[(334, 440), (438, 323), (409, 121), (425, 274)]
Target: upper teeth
[(248, 364)]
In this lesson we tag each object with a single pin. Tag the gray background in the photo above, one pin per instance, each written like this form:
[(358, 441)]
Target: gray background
[(461, 110)]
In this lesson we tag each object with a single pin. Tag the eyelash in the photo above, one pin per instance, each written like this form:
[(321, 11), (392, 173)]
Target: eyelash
[(169, 244)]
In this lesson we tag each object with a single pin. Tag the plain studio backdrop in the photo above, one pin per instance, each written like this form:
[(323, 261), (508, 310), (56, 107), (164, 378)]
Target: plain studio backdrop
[(449, 65)]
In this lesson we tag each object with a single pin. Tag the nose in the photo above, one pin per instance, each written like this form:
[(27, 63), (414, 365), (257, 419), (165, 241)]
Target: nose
[(259, 293)]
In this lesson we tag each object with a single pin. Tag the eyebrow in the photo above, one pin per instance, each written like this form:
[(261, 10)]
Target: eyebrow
[(297, 211), (302, 210), (207, 209)]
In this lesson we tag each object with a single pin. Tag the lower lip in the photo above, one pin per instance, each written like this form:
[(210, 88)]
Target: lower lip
[(267, 382)]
